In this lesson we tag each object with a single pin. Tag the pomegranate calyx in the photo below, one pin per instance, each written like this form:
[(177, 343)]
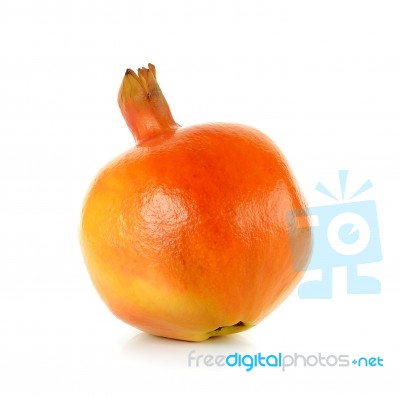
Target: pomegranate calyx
[(143, 104)]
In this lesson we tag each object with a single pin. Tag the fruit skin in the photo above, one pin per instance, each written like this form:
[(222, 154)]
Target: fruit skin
[(191, 233)]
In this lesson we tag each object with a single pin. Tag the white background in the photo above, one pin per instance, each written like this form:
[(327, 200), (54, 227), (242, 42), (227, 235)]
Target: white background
[(320, 77)]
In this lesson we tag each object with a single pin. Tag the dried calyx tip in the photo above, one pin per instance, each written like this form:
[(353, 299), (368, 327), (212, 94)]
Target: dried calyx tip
[(150, 68)]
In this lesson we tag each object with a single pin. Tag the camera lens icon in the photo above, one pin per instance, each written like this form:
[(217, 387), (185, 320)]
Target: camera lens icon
[(344, 234), (348, 233)]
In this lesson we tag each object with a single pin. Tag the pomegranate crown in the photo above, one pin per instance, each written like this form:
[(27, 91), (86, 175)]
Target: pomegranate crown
[(143, 104)]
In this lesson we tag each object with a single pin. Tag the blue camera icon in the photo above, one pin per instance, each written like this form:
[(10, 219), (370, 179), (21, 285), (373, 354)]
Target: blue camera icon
[(344, 234)]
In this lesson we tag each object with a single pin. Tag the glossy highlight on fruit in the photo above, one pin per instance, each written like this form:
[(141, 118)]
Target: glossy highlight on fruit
[(191, 233)]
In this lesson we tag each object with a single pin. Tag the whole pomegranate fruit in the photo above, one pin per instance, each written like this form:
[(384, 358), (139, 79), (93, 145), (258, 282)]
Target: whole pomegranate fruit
[(191, 234)]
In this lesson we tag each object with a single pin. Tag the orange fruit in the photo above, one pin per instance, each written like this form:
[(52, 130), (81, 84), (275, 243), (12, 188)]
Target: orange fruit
[(192, 233)]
